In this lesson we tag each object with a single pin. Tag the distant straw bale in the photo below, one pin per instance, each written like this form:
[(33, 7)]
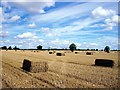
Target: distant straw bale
[(76, 52), (60, 54), (104, 62), (34, 67), (51, 52), (89, 53)]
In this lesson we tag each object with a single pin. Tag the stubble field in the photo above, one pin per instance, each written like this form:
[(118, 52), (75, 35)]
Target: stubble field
[(69, 71)]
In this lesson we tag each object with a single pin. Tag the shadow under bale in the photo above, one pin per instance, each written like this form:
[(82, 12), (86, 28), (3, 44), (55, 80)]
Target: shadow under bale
[(89, 53), (60, 54), (104, 62), (34, 67)]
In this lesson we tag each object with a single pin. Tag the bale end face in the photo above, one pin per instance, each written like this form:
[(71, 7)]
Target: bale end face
[(60, 54), (26, 65), (104, 62)]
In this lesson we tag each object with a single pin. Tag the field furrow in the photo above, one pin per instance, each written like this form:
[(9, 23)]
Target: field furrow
[(17, 78)]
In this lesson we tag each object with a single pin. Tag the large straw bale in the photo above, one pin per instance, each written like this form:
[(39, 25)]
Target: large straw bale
[(35, 66), (104, 62)]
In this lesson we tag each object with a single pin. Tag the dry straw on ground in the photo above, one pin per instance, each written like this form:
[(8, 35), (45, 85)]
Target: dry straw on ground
[(69, 71)]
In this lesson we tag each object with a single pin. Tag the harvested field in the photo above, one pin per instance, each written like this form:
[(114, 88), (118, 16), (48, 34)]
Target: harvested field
[(71, 71)]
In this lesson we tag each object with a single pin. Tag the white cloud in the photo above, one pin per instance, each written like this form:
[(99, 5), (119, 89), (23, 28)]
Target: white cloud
[(113, 21), (110, 17), (1, 15), (50, 32), (45, 30), (14, 18), (107, 40), (116, 19), (35, 6), (59, 14), (61, 0), (26, 35), (32, 25), (57, 43), (93, 44), (3, 33), (101, 12)]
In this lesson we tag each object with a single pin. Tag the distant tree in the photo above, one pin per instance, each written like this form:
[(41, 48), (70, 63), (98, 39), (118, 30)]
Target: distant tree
[(9, 48), (39, 47), (107, 49), (4, 47), (101, 50), (88, 49), (15, 48), (96, 49), (72, 47)]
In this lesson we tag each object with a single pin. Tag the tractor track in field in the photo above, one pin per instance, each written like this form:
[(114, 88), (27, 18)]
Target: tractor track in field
[(20, 72), (5, 84), (29, 74)]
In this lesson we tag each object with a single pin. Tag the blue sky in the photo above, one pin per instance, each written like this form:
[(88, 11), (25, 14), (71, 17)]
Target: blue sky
[(58, 24)]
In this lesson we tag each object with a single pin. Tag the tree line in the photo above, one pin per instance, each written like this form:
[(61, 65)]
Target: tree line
[(72, 47), (9, 48)]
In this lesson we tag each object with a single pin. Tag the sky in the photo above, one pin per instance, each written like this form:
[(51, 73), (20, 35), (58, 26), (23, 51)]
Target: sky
[(54, 24)]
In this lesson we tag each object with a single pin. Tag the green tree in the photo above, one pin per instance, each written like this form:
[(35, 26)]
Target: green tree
[(107, 49), (15, 48), (72, 47), (39, 47), (4, 47), (96, 49), (9, 48)]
